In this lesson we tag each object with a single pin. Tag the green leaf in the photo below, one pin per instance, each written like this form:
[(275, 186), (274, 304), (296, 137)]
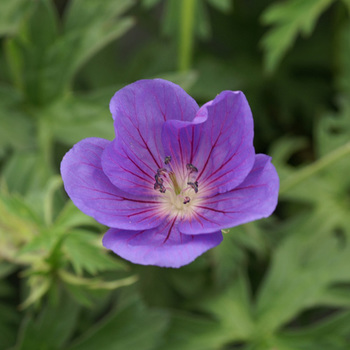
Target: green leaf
[(188, 332), (9, 319), (233, 252), (347, 3), (303, 267), (337, 296), (6, 269), (332, 334), (343, 52), (40, 245), (131, 327), (29, 54), (228, 256), (333, 131), (222, 5), (51, 328), (149, 3), (75, 118), (70, 217), (16, 127), (18, 225), (288, 19), (26, 173), (232, 308), (84, 250), (40, 57), (12, 14), (231, 320), (39, 285), (90, 25)]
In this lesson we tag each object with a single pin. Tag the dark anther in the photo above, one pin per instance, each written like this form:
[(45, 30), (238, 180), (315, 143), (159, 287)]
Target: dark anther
[(160, 187), (191, 168), (161, 171), (194, 185), (187, 200), (167, 160), (159, 180)]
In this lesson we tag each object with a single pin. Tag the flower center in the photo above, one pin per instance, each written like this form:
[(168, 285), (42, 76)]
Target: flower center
[(179, 188)]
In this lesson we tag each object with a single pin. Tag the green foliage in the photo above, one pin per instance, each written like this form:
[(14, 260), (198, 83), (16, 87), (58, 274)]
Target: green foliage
[(288, 19), (133, 326), (280, 283), (11, 15), (9, 315), (39, 57), (42, 331)]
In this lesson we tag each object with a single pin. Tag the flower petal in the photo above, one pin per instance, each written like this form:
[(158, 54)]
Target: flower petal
[(127, 170), (255, 198), (163, 246), (181, 140), (140, 109), (218, 142), (93, 193)]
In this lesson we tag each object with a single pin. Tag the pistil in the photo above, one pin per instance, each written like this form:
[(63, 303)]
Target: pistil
[(180, 190), (176, 186)]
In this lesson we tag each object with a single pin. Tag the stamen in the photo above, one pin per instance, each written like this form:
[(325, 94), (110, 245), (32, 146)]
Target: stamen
[(187, 200), (161, 171), (159, 180), (166, 178), (191, 168), (160, 187), (194, 186)]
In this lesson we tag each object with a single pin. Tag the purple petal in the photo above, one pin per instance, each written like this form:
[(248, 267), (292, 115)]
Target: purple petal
[(254, 198), (127, 170), (181, 141), (139, 111), (218, 142), (93, 193), (163, 246)]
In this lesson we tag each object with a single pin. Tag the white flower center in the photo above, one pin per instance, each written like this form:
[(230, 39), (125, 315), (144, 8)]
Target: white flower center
[(179, 189)]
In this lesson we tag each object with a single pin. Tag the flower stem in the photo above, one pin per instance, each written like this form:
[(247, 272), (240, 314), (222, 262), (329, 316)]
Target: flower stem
[(45, 141), (314, 168), (186, 34)]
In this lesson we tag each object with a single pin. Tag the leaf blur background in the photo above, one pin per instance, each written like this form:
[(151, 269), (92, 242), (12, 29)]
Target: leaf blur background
[(282, 283)]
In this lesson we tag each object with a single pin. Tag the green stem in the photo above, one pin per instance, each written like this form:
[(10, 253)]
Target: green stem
[(187, 15), (54, 184), (314, 168), (45, 141)]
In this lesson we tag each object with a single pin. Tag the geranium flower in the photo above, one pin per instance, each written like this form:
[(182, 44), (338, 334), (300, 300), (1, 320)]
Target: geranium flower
[(174, 176)]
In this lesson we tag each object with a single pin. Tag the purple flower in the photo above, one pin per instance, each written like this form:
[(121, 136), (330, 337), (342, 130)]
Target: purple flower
[(174, 176)]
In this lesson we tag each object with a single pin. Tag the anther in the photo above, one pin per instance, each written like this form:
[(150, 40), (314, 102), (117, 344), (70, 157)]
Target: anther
[(160, 187), (167, 160), (159, 180), (194, 186), (161, 171), (187, 200), (191, 168)]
